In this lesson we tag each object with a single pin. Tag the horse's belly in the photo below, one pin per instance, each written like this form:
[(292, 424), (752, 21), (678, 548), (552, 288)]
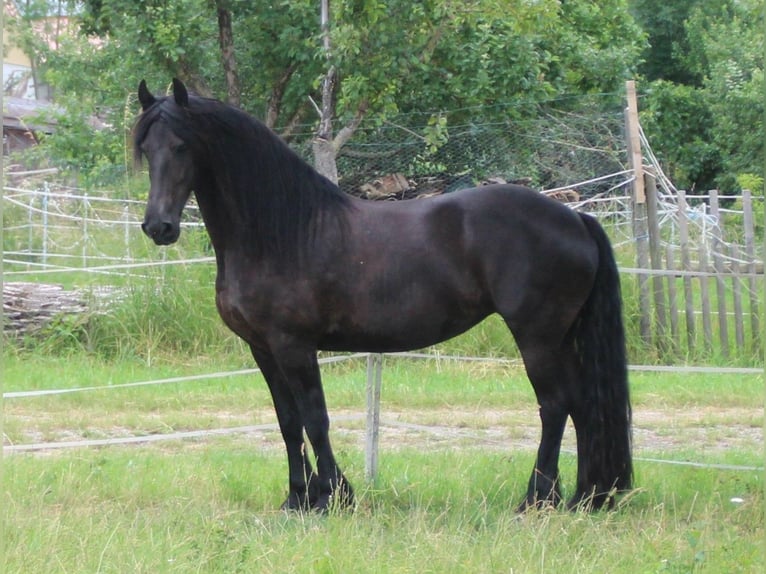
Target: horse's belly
[(400, 333)]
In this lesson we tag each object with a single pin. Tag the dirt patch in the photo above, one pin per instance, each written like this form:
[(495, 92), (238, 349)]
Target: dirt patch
[(705, 429)]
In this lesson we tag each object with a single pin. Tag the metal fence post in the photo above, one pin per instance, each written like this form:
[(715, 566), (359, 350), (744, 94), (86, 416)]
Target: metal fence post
[(374, 380), (46, 191), (85, 214)]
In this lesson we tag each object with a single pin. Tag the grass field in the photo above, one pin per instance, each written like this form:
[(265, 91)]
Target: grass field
[(457, 445)]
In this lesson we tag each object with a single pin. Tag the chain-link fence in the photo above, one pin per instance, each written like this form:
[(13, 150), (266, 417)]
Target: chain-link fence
[(424, 154)]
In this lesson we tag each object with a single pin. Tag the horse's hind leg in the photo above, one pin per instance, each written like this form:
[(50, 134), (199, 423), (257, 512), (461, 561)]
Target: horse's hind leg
[(552, 372)]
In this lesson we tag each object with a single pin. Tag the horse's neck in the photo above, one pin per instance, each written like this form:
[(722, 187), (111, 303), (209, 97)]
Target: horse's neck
[(230, 230), (217, 220)]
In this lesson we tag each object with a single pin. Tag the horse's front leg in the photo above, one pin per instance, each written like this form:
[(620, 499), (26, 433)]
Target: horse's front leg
[(301, 370), (304, 491)]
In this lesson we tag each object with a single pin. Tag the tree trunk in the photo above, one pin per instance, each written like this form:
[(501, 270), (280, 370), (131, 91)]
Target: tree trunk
[(325, 145), (324, 151), (324, 158), (226, 42)]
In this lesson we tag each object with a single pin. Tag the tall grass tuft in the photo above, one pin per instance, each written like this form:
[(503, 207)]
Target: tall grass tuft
[(168, 314)]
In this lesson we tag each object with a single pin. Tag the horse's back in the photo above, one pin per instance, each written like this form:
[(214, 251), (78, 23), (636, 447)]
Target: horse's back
[(523, 227)]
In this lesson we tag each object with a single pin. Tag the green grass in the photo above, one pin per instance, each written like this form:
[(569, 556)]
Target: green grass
[(212, 509), (439, 504)]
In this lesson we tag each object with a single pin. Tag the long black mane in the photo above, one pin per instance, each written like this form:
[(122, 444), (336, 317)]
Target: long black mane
[(276, 199)]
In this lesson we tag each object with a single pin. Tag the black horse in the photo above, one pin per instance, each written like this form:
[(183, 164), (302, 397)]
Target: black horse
[(302, 266)]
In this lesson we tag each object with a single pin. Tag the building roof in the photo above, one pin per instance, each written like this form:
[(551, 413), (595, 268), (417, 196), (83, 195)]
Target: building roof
[(26, 114)]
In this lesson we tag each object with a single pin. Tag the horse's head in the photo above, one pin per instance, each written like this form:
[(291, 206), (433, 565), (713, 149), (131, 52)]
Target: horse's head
[(171, 166)]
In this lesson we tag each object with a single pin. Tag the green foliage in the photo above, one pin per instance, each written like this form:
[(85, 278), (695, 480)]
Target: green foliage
[(80, 147), (150, 319), (679, 124), (595, 46), (424, 57), (392, 56), (669, 50), (172, 315), (750, 181), (701, 112), (731, 53)]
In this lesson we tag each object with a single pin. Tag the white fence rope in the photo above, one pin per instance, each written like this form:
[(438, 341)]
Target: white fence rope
[(218, 375), (373, 408), (104, 268), (130, 221), (341, 358)]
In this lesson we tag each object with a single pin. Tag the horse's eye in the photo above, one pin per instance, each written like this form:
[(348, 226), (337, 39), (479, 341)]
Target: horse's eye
[(180, 148)]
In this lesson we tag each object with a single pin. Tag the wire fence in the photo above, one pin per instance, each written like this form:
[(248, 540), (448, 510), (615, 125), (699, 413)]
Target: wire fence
[(373, 419), (577, 156), (49, 228), (546, 149)]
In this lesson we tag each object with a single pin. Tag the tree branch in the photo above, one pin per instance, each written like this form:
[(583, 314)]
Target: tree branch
[(348, 130), (289, 130), (277, 93)]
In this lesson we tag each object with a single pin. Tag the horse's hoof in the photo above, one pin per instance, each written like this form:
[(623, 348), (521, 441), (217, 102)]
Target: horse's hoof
[(589, 502), (296, 503), (342, 498), (550, 502), (537, 501)]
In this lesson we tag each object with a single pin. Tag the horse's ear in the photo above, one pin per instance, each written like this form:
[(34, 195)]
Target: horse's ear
[(180, 94), (145, 96)]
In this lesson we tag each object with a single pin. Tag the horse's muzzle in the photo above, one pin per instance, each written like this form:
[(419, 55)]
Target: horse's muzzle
[(161, 232)]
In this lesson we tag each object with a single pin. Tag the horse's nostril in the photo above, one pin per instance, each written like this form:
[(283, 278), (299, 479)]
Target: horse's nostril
[(161, 232)]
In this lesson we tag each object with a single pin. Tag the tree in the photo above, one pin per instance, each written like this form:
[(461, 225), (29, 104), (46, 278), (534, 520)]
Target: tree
[(228, 58), (704, 129), (272, 58), (730, 57), (667, 44)]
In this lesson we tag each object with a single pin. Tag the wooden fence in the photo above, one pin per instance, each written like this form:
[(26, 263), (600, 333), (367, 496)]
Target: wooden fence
[(697, 264), (698, 272)]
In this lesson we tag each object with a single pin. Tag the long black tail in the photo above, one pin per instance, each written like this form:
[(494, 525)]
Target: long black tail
[(600, 340)]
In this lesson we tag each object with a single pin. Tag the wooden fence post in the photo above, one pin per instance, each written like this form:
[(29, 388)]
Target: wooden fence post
[(655, 257), (634, 142), (717, 247), (750, 268), (672, 299), (707, 325), (736, 287), (640, 230), (683, 238)]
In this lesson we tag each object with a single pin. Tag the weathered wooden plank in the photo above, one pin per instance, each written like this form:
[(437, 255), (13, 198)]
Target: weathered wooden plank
[(655, 259), (717, 248), (752, 282), (683, 236), (672, 298), (707, 322), (640, 231), (736, 290)]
